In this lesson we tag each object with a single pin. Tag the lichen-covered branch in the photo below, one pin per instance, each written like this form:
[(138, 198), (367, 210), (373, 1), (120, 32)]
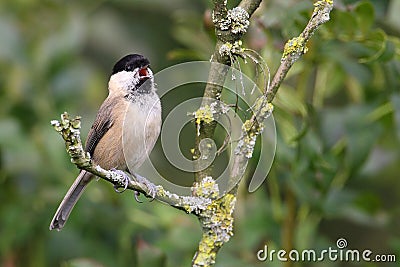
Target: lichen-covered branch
[(217, 225), (215, 212), (217, 219), (229, 32), (230, 26), (297, 46), (293, 50), (250, 6), (69, 129)]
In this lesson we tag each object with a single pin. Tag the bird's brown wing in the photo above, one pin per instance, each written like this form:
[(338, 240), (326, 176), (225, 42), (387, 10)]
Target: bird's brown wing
[(100, 126)]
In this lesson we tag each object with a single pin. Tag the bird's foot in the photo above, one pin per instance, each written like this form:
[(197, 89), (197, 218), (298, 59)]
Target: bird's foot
[(152, 188), (125, 181)]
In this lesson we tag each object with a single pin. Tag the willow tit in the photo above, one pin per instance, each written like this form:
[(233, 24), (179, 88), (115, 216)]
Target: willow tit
[(126, 128)]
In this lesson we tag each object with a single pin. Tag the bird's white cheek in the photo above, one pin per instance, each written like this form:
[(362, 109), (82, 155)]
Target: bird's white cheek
[(124, 80)]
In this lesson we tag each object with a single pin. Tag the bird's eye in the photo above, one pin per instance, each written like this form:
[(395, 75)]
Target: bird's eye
[(128, 68)]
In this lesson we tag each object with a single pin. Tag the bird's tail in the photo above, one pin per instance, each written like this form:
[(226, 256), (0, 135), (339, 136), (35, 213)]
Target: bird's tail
[(70, 199)]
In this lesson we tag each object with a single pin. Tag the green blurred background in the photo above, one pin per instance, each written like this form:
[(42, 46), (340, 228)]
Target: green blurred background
[(336, 171)]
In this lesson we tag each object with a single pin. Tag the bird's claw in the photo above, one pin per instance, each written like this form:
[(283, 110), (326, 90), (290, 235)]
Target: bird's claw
[(125, 180), (152, 188), (137, 194)]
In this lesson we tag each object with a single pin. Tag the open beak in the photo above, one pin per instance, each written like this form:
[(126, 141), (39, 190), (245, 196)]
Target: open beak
[(144, 73)]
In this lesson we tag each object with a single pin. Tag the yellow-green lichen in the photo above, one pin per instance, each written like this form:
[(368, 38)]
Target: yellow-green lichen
[(205, 256), (204, 114), (219, 217), (247, 125), (207, 188), (295, 47), (321, 4), (193, 152), (69, 129), (194, 204), (187, 208), (262, 107), (207, 243), (209, 113), (322, 10), (228, 49), (252, 128), (217, 222), (161, 191)]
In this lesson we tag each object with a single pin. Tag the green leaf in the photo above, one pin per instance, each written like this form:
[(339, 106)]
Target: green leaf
[(369, 202), (345, 25), (376, 42), (361, 136), (365, 15), (389, 52)]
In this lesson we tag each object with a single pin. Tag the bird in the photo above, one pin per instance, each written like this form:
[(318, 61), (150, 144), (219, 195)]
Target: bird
[(125, 129)]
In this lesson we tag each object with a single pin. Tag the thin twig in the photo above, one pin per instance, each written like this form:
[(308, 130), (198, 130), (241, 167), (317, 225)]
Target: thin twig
[(296, 47)]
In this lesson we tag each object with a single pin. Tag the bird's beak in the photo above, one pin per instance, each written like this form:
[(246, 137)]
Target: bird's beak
[(143, 73)]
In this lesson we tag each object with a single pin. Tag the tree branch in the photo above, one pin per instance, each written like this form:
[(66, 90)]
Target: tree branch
[(230, 26), (250, 5), (69, 129), (217, 220), (294, 49), (213, 210)]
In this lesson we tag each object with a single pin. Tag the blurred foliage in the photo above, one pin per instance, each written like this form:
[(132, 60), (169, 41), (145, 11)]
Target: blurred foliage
[(336, 169)]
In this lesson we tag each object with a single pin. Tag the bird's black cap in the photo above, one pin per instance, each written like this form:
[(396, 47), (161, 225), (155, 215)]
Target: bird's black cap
[(130, 62)]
